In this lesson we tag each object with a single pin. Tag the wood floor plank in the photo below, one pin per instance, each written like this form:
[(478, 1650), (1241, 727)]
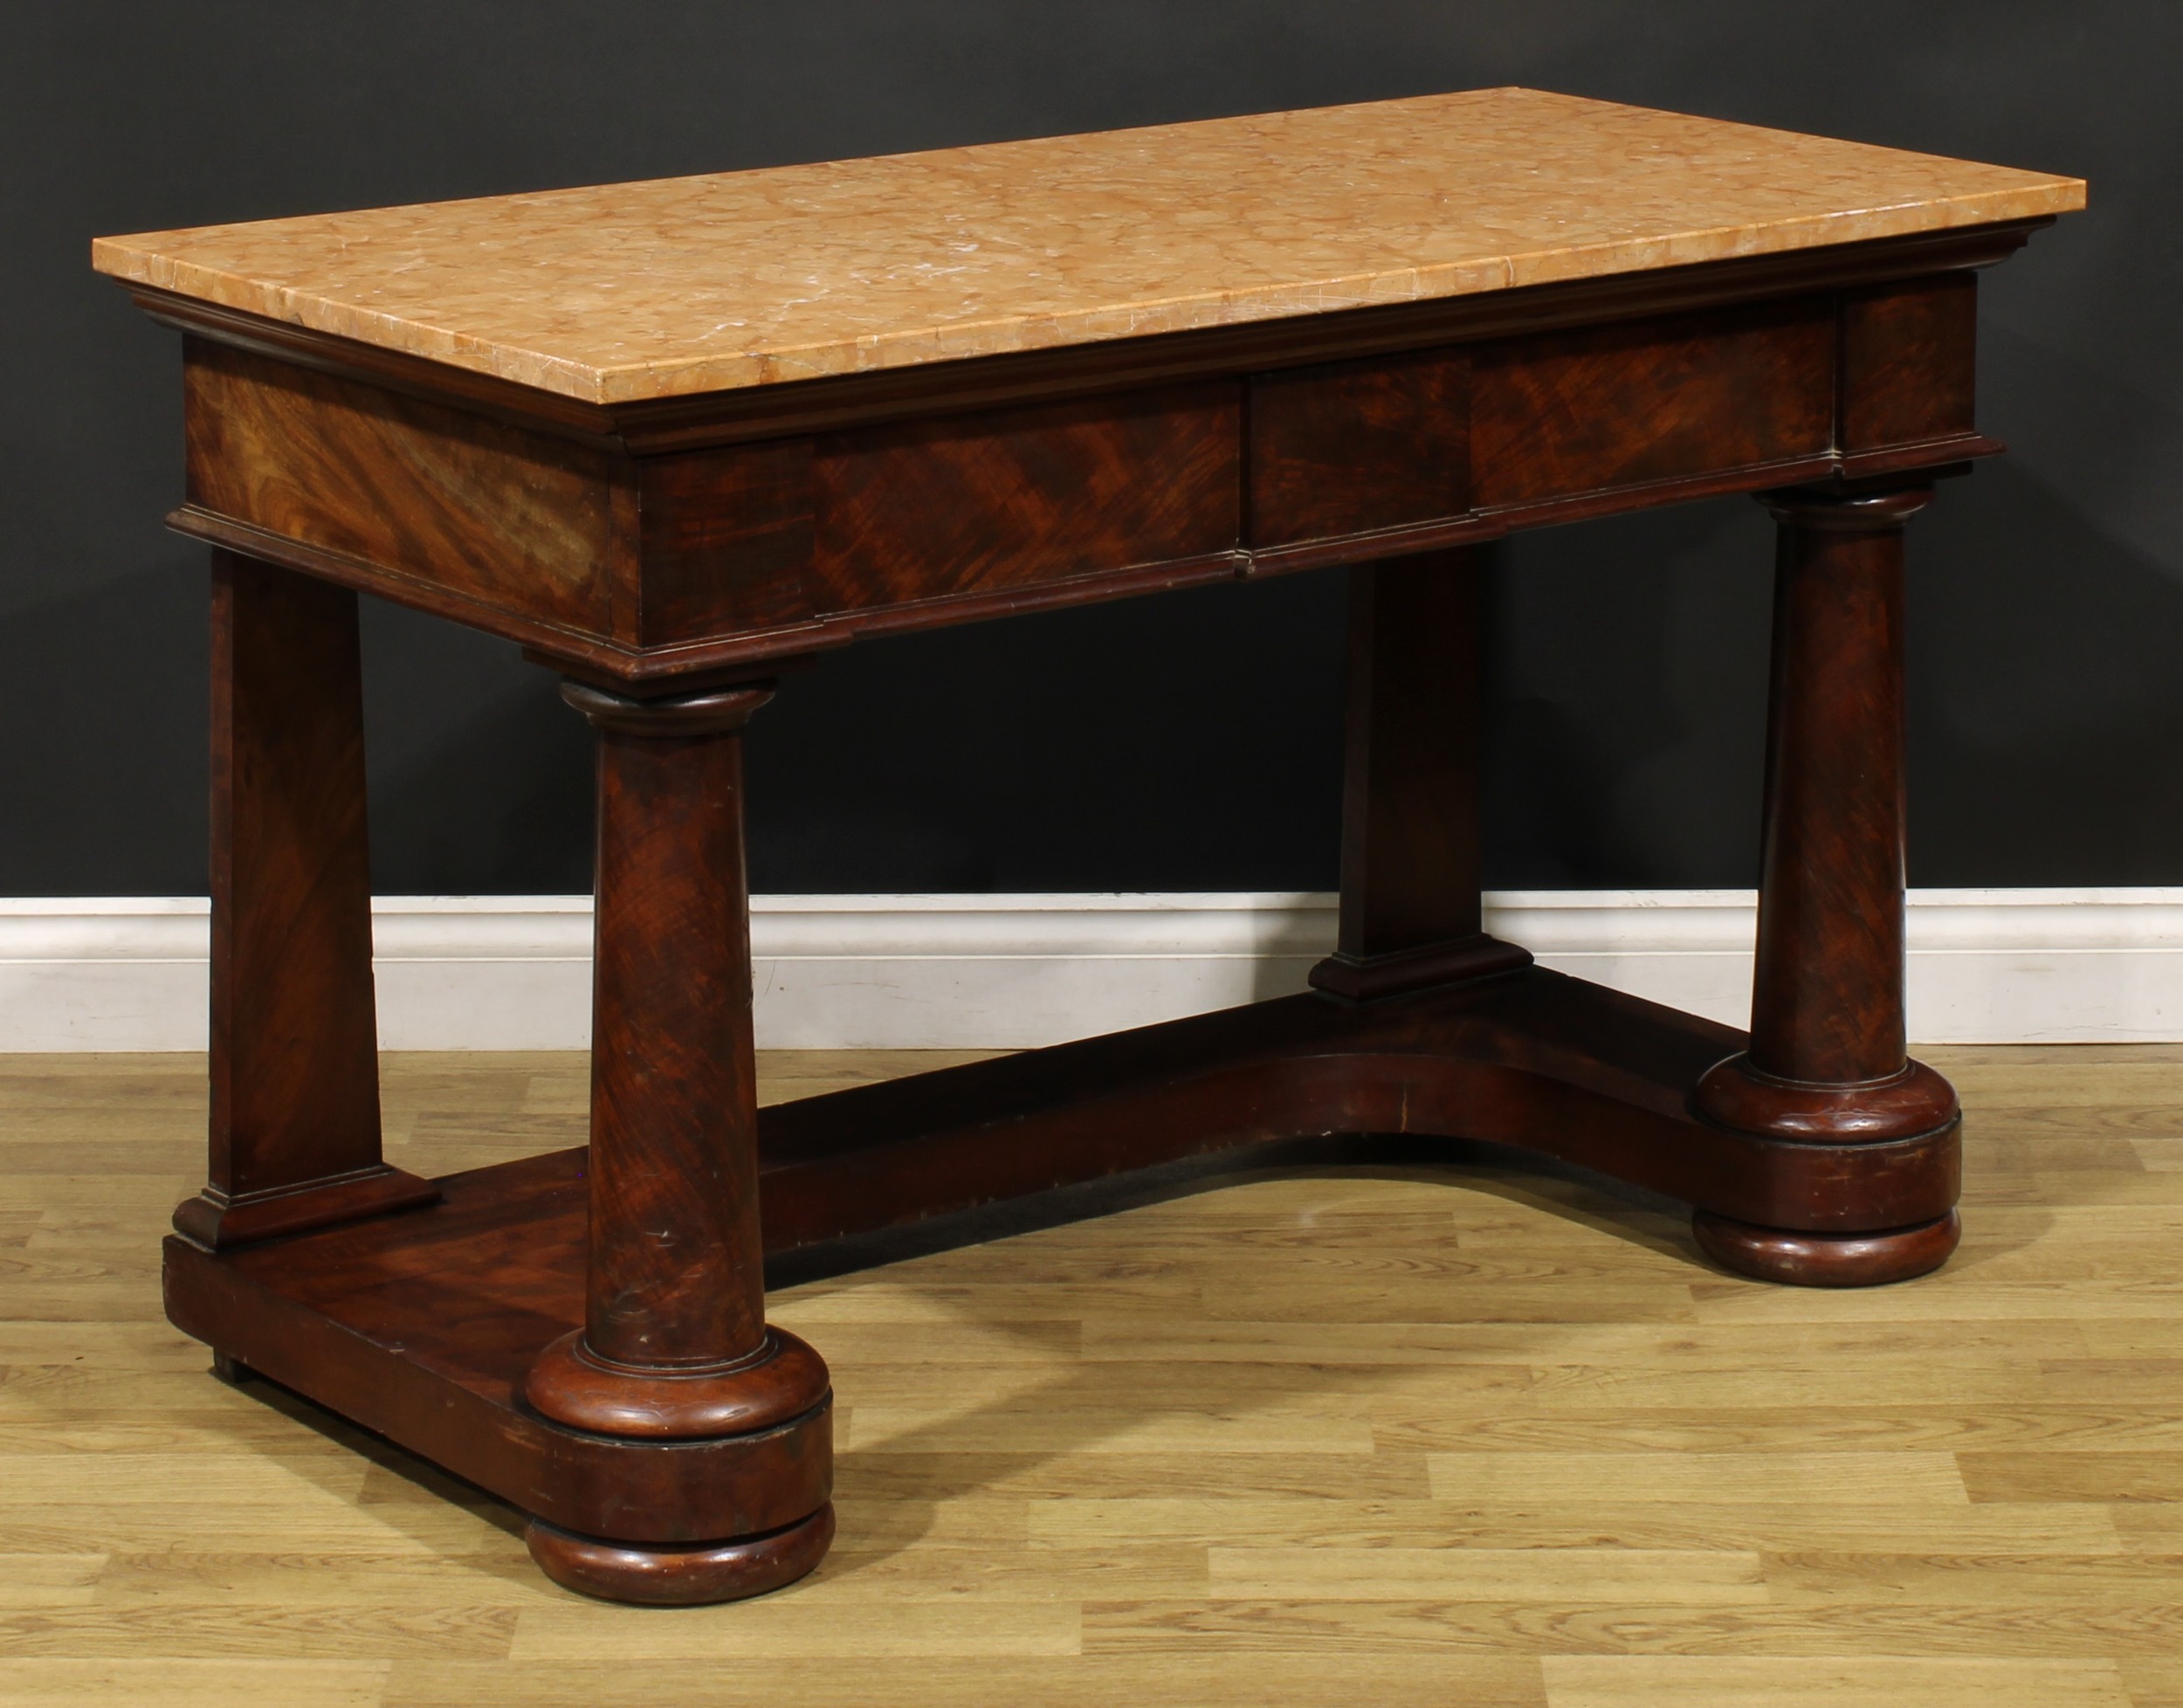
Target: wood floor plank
[(1934, 1577), (801, 1624), (1116, 1475), (2152, 1684), (209, 1625), (179, 1682), (1222, 1681), (2149, 1633), (1821, 1479), (2087, 1476), (1647, 1681), (1567, 1576), (1376, 1434), (1783, 1429), (2018, 1532)]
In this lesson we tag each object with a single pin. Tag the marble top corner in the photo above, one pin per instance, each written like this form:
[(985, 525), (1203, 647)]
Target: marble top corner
[(622, 293)]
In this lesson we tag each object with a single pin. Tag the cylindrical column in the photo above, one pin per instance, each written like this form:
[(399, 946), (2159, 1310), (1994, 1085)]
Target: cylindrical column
[(675, 1342), (1827, 1062), (1827, 1000), (674, 1280)]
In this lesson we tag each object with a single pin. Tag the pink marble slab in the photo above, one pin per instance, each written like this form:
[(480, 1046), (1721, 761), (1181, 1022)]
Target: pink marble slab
[(619, 293)]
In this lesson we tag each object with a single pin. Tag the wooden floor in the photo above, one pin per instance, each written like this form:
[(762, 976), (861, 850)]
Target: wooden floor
[(1396, 1436)]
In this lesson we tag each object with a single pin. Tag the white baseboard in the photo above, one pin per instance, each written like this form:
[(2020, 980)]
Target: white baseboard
[(982, 971)]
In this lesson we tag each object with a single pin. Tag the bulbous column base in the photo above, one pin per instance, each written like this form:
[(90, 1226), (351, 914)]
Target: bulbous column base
[(764, 1426), (1826, 1260), (1746, 1099), (659, 1575), (782, 1381)]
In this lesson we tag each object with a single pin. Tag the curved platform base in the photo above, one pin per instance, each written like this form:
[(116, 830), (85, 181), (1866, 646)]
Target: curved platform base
[(1826, 1260), (681, 1577), (450, 1328)]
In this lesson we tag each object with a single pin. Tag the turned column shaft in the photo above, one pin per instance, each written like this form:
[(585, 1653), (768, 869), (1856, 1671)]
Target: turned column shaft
[(1827, 1062), (674, 1276), (1827, 997), (674, 1345)]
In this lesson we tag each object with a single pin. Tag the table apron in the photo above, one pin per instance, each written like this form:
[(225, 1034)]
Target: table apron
[(655, 570)]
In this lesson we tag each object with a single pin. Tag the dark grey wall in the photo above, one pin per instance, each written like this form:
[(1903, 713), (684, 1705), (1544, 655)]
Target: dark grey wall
[(1186, 743)]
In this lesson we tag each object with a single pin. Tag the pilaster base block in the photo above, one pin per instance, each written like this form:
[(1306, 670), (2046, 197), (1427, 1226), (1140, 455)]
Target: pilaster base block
[(782, 1381), (1744, 1098), (658, 1575), (1826, 1260), (1367, 978), (218, 1222)]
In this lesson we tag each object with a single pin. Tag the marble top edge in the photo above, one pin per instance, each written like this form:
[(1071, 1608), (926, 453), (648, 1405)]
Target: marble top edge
[(668, 287)]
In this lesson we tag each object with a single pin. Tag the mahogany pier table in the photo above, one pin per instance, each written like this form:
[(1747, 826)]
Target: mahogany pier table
[(676, 437)]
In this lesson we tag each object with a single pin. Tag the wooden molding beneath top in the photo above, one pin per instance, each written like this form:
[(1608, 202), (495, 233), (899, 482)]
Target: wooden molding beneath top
[(999, 971)]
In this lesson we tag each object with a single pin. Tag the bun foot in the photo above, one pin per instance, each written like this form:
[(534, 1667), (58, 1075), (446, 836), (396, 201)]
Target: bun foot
[(667, 1576), (1826, 1260)]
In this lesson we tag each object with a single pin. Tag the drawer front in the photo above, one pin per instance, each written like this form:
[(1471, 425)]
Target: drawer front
[(1614, 406), (983, 503), (1354, 446)]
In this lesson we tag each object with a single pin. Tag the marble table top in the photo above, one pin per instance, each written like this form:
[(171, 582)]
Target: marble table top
[(622, 293)]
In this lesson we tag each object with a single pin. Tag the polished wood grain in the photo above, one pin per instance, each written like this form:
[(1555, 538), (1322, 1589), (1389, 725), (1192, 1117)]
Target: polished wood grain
[(293, 1138), (1386, 1435), (382, 1343), (1354, 447), (667, 1428), (1823, 1260), (1827, 1062), (429, 493), (1410, 908), (1827, 998), (1649, 401), (674, 1150), (969, 503), (1535, 1060), (667, 544), (1908, 361), (728, 538), (583, 1333), (721, 1424)]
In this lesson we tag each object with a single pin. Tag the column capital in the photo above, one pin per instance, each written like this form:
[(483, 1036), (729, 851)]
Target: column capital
[(715, 712), (1860, 509)]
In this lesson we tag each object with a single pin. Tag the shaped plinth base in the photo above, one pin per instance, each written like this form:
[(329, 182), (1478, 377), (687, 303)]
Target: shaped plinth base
[(1371, 977), (1826, 1260), (219, 1222), (681, 1577), (451, 1327), (784, 1379), (1744, 1098)]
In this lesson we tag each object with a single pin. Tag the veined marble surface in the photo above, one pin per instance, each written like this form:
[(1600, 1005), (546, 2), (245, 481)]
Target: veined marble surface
[(624, 291)]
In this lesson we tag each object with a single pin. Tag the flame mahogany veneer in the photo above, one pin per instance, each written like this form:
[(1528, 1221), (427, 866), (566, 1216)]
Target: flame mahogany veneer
[(583, 1334)]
